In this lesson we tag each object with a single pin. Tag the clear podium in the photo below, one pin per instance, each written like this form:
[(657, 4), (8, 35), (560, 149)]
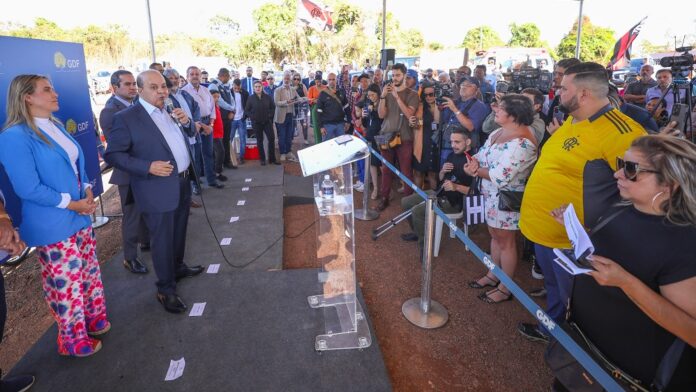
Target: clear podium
[(344, 320)]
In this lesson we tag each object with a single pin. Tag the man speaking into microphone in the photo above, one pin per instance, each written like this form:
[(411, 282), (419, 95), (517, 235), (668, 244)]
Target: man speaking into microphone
[(148, 141)]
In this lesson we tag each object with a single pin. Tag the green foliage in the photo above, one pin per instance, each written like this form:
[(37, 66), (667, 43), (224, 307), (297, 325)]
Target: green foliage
[(648, 47), (596, 42), (435, 46), (481, 38), (526, 35)]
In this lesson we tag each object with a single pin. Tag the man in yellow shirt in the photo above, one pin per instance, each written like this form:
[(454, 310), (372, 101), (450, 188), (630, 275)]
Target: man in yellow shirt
[(576, 166)]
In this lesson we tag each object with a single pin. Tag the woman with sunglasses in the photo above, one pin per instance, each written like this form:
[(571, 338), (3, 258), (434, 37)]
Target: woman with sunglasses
[(424, 123), (641, 295)]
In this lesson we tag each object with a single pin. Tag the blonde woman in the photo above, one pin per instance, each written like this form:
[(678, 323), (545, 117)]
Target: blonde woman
[(46, 168)]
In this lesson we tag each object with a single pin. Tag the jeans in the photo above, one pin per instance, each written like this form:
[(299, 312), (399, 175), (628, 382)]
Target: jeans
[(557, 283), (285, 134), (332, 131), (208, 158), (404, 152), (239, 126), (361, 170)]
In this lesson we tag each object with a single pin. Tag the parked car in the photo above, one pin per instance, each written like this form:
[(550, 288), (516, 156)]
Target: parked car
[(102, 82)]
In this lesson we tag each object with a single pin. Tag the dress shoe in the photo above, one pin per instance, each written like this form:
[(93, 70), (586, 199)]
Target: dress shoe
[(195, 204), (241, 161), (135, 266), (222, 177), (185, 271), (196, 190), (172, 303), (145, 247), (217, 185), (230, 165), (383, 204), (263, 163)]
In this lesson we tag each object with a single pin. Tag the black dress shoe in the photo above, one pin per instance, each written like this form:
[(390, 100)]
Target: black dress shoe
[(217, 185), (187, 271), (222, 177), (135, 266), (172, 303), (263, 163), (230, 165)]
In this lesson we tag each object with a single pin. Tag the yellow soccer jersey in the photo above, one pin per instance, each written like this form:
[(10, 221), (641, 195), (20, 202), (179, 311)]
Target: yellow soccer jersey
[(576, 166)]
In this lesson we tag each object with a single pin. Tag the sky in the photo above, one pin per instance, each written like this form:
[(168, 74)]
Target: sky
[(444, 21)]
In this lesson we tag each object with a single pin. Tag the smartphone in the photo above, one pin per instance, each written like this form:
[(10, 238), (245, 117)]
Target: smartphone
[(679, 113), (558, 115)]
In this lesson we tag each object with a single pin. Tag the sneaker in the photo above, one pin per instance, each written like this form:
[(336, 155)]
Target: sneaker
[(306, 142), (282, 157), (539, 293), (18, 383), (532, 332), (359, 186), (536, 271)]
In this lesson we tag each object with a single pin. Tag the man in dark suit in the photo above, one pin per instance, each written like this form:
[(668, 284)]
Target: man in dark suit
[(239, 127), (133, 228), (248, 82), (147, 143)]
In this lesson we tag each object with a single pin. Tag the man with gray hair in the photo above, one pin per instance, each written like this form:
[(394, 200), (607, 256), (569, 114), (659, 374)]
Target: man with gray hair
[(635, 92), (285, 98)]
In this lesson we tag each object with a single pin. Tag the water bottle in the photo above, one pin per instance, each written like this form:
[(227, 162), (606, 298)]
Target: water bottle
[(327, 188)]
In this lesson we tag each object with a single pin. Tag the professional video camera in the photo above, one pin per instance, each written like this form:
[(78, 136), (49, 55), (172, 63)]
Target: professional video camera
[(681, 64), (528, 77), (442, 91)]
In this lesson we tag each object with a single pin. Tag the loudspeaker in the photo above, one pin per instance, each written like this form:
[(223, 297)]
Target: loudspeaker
[(387, 59)]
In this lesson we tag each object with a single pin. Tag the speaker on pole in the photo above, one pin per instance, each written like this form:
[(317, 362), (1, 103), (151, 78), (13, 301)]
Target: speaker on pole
[(387, 59)]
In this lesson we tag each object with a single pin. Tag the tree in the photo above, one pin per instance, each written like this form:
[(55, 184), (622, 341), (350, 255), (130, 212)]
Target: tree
[(223, 26), (435, 46), (481, 38), (647, 48), (596, 42), (526, 35)]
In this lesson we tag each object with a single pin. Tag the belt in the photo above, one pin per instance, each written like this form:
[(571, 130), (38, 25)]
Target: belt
[(184, 174)]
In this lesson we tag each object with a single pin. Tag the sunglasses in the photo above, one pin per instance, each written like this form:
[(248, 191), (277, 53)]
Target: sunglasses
[(297, 79), (429, 94), (631, 169)]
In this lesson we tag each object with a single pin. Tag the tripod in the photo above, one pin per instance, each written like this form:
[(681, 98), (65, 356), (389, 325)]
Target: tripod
[(681, 112)]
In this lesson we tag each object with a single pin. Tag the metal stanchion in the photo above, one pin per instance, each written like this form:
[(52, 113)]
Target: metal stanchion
[(101, 220), (366, 214), (423, 311)]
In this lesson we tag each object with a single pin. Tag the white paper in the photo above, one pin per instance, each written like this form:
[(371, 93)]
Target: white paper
[(226, 241), (197, 309), (330, 154), (241, 202), (567, 264), (245, 189), (176, 369), (213, 268), (247, 180), (573, 260), (234, 219)]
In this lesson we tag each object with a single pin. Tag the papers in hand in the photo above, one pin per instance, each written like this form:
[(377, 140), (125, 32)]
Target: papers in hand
[(576, 260)]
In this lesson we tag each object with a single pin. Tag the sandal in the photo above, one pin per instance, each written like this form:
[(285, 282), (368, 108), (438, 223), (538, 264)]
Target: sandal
[(485, 297), (474, 284), (80, 348)]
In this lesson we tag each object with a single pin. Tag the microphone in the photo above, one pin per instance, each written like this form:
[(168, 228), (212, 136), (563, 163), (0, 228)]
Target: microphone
[(169, 105)]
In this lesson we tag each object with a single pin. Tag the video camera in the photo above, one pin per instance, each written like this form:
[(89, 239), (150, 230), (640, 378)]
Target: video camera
[(681, 64), (442, 91), (528, 77)]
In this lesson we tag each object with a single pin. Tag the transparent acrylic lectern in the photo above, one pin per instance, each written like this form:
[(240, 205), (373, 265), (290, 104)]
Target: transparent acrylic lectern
[(344, 320)]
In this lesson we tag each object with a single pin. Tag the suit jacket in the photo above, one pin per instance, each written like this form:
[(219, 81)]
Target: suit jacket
[(135, 143), (245, 82), (106, 119), (260, 110)]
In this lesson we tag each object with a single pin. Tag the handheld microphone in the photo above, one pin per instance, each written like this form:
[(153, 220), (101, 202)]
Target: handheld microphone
[(169, 105)]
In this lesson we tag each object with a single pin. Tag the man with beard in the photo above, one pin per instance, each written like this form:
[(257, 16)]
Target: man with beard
[(576, 166), (635, 92), (330, 112)]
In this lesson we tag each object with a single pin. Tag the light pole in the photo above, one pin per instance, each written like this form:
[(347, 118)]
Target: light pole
[(384, 24), (152, 37), (577, 42)]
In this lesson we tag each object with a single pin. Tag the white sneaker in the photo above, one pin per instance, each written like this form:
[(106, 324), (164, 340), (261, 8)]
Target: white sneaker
[(292, 158), (282, 157), (306, 142), (359, 186)]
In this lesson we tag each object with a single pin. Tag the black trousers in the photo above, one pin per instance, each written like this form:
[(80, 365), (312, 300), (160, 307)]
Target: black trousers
[(259, 130), (3, 308), (168, 239), (226, 131), (218, 152), (133, 229)]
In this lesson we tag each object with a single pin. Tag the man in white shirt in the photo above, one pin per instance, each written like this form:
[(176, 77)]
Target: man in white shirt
[(239, 127)]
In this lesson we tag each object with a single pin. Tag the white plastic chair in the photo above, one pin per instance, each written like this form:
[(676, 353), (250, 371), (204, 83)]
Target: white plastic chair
[(438, 230)]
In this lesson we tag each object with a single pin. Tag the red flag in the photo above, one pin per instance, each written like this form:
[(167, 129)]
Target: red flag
[(314, 15), (622, 48)]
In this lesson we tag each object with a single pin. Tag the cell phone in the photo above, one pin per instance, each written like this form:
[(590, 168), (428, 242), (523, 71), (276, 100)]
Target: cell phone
[(558, 115), (679, 113)]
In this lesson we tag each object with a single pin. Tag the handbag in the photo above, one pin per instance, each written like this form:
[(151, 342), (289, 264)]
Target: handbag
[(474, 204), (510, 201)]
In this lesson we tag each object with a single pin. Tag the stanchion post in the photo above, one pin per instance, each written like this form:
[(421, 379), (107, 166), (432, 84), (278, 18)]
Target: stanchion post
[(99, 221), (366, 214), (423, 311)]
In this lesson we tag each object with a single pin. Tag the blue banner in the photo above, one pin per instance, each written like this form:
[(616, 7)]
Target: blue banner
[(64, 64)]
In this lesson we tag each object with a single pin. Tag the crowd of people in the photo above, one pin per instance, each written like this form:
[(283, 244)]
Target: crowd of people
[(530, 154)]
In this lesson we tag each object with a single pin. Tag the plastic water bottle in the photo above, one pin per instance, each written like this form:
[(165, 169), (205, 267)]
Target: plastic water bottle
[(327, 188)]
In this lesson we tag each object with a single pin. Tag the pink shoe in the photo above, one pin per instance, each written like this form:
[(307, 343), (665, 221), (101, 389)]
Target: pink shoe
[(98, 327), (80, 348)]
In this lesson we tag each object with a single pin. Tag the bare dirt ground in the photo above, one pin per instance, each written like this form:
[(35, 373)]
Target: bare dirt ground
[(477, 350)]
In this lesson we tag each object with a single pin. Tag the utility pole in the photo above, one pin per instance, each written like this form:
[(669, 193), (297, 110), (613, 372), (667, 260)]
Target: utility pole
[(577, 42), (152, 37), (384, 24)]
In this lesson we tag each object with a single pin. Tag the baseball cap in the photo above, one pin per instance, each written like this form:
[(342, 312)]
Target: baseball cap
[(318, 75), (471, 80), (412, 73)]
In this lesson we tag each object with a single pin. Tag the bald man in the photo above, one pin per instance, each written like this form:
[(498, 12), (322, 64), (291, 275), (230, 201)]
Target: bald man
[(152, 146)]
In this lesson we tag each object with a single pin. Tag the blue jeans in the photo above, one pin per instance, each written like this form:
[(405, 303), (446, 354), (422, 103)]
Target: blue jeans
[(239, 126), (557, 283), (361, 170), (285, 134), (208, 159), (332, 131)]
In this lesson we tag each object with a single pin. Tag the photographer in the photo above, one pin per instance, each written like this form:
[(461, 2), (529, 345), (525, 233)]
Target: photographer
[(397, 105), (664, 89), (424, 123), (468, 112), (487, 88)]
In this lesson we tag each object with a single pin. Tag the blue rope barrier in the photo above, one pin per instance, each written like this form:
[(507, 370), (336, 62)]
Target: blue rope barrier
[(566, 341)]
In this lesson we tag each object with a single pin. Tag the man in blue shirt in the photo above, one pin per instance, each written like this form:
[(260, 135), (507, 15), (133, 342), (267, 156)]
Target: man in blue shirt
[(486, 87), (467, 111), (664, 87)]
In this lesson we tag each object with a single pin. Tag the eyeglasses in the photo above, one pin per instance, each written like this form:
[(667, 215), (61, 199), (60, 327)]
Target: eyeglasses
[(631, 169), (297, 79), (429, 94)]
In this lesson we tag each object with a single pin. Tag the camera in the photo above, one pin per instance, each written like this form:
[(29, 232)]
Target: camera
[(442, 91), (680, 65), (528, 77)]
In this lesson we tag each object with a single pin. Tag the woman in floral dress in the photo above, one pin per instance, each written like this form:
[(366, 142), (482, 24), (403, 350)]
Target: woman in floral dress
[(504, 163)]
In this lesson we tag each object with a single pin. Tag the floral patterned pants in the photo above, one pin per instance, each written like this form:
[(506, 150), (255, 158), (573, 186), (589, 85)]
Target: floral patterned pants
[(73, 290)]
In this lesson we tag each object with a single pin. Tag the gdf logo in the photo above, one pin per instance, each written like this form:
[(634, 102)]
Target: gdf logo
[(545, 320), (491, 266), (60, 61)]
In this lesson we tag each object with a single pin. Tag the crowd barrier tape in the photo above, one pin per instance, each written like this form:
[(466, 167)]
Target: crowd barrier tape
[(608, 382)]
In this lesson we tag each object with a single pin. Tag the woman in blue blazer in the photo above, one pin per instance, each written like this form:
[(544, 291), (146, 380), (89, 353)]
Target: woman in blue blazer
[(45, 166)]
